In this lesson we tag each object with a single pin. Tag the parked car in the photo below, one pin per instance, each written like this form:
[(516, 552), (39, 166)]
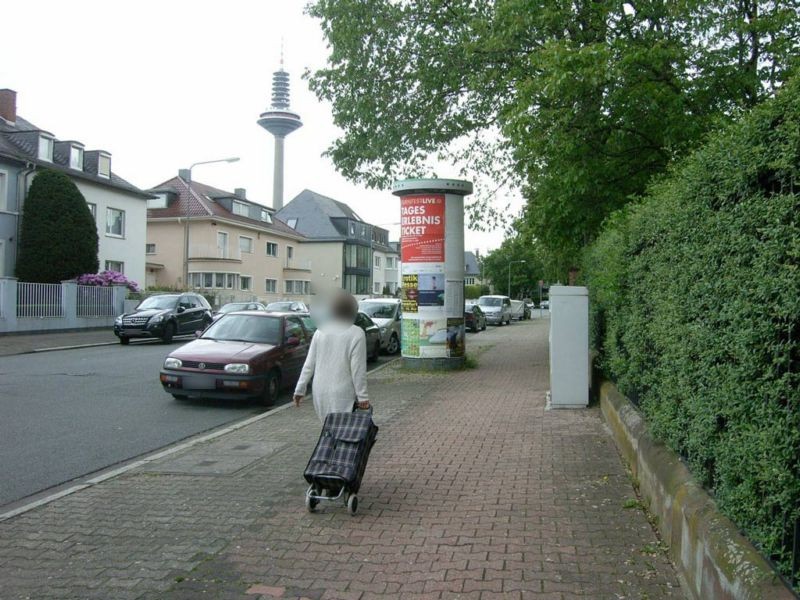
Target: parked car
[(236, 306), (496, 308), (164, 316), (387, 315), (245, 355), (287, 306), (517, 310), (474, 319), (520, 310), (371, 331)]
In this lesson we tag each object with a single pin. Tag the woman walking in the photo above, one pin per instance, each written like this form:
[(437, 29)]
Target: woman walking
[(337, 360)]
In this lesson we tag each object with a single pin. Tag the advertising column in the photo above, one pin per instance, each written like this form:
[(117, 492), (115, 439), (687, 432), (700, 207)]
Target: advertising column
[(432, 256)]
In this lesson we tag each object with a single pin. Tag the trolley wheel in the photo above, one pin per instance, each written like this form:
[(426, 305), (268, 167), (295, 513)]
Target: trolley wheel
[(311, 504), (352, 504)]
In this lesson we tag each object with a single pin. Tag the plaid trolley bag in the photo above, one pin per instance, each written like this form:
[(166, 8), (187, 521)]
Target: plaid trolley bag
[(338, 462)]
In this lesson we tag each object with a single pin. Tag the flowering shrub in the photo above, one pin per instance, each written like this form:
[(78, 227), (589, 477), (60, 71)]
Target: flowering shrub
[(107, 278)]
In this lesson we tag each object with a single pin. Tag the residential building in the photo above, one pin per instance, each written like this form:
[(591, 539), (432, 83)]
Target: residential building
[(385, 262), (238, 249), (343, 250), (119, 208), (473, 274)]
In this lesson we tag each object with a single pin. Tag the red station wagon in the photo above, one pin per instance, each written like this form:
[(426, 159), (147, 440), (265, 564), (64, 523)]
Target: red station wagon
[(241, 355)]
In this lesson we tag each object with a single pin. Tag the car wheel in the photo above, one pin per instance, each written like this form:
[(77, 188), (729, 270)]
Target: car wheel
[(474, 328), (124, 340), (484, 326), (394, 344), (272, 386), (169, 332), (180, 397)]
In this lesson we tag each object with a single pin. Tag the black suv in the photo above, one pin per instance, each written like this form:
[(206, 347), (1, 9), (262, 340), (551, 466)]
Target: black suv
[(164, 316)]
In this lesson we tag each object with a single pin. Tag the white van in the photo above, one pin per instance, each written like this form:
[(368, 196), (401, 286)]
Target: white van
[(496, 308)]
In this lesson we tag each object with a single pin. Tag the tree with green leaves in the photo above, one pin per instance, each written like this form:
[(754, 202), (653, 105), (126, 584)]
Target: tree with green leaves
[(578, 105), (507, 261), (58, 238)]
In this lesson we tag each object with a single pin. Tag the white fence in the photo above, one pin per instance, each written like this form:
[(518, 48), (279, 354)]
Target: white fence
[(95, 301), (40, 300), (53, 306)]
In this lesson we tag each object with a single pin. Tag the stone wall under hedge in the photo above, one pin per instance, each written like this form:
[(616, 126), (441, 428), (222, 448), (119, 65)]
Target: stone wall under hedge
[(695, 295)]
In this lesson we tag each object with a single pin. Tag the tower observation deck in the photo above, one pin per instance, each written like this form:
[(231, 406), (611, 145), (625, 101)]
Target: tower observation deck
[(280, 121)]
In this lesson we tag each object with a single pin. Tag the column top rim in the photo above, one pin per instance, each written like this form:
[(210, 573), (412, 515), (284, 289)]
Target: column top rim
[(405, 187)]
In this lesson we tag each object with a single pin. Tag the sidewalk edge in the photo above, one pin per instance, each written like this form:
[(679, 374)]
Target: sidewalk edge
[(157, 455)]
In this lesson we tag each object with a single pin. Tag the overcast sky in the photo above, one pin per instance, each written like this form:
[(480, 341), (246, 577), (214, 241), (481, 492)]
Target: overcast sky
[(163, 84)]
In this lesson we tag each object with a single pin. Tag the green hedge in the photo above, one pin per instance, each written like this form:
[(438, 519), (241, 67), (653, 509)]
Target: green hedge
[(695, 294)]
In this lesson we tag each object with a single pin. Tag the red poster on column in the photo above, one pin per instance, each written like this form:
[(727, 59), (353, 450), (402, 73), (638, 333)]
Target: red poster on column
[(422, 228)]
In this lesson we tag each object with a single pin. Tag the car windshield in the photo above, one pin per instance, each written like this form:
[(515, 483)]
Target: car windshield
[(279, 306), (233, 306), (489, 301), (256, 329), (159, 302), (378, 310)]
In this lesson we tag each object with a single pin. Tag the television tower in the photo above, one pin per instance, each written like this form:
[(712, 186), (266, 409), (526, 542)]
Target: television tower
[(280, 122)]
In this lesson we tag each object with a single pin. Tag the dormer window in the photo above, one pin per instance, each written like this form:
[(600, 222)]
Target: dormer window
[(46, 148), (104, 166), (292, 223), (160, 201), (241, 209), (265, 216), (76, 158)]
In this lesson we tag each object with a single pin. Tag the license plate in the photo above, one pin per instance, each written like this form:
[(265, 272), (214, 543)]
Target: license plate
[(199, 382)]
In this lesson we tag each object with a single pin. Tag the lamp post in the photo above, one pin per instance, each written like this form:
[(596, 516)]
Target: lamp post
[(188, 213), (509, 274)]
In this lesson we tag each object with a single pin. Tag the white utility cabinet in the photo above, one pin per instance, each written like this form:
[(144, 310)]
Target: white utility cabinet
[(569, 346)]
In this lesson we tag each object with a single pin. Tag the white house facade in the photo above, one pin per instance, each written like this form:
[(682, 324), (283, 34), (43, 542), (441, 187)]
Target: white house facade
[(121, 229)]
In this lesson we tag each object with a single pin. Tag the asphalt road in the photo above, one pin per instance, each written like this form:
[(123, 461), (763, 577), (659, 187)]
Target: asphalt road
[(68, 413)]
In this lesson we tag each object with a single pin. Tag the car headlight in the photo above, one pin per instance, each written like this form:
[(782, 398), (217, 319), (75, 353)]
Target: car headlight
[(173, 363), (237, 368), (156, 319), (383, 330), (118, 320)]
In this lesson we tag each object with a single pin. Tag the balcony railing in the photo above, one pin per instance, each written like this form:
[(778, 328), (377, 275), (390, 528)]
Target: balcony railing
[(213, 252)]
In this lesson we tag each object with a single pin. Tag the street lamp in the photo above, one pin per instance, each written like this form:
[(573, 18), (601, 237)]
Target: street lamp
[(509, 274), (188, 214)]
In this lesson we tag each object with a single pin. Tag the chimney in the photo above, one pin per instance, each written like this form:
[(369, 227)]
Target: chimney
[(185, 174), (8, 105), (240, 193)]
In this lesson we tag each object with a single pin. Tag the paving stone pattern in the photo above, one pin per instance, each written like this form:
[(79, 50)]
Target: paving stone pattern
[(473, 491)]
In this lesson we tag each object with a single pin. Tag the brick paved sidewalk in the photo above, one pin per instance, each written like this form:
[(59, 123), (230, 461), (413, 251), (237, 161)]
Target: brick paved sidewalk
[(473, 491)]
